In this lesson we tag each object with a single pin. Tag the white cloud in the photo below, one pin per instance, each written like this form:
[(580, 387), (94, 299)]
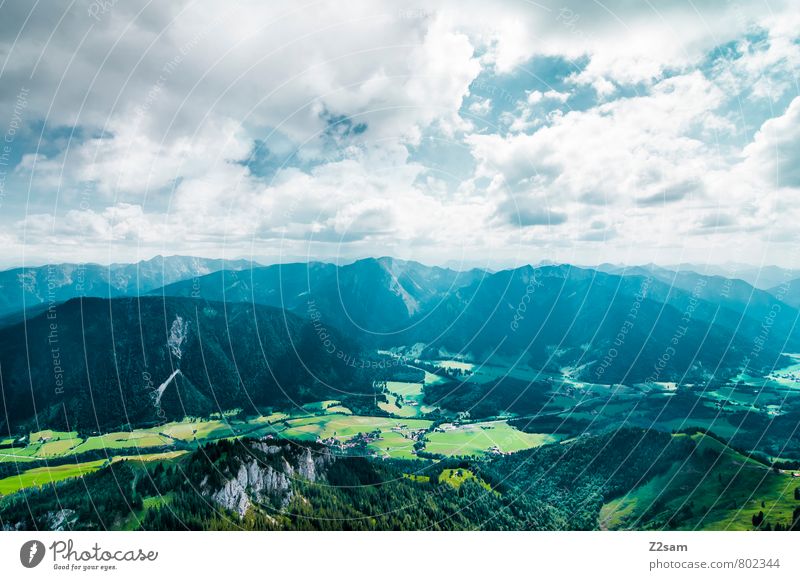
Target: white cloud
[(481, 107), (626, 42), (127, 160), (534, 110), (257, 63), (775, 150), (634, 151), (535, 97), (167, 104), (765, 68)]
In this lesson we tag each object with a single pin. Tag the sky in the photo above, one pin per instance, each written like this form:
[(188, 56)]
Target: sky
[(466, 132)]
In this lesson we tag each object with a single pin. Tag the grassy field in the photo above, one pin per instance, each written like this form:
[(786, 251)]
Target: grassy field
[(396, 444), (43, 475), (454, 365), (478, 438), (199, 429), (39, 476), (50, 435), (123, 440), (49, 444), (320, 406), (716, 489), (336, 422), (147, 457), (456, 477), (432, 379), (19, 454), (53, 444), (395, 408), (395, 432), (484, 373), (392, 444), (344, 427), (58, 448), (410, 394), (409, 391)]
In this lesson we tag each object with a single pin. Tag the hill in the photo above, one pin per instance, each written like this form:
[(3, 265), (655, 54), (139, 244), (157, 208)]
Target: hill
[(271, 484), (93, 364), (714, 487)]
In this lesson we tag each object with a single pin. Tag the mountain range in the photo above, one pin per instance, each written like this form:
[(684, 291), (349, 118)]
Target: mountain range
[(551, 316), (248, 337), (32, 289)]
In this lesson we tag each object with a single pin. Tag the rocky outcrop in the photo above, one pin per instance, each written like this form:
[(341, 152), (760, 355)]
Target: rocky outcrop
[(61, 520), (309, 465), (262, 479)]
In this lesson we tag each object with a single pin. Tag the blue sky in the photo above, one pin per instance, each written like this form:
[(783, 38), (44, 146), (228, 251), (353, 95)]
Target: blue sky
[(454, 132)]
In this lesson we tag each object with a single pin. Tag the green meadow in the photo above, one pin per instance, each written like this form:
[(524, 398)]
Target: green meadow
[(478, 438), (346, 426), (40, 476), (457, 477), (717, 488), (405, 399), (122, 440)]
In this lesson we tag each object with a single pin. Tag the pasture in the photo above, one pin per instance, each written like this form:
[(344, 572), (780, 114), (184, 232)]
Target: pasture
[(479, 438), (344, 427), (717, 488), (40, 476), (457, 477), (122, 440)]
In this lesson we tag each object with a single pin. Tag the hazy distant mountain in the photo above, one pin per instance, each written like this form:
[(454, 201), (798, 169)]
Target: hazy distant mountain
[(749, 307), (788, 291), (635, 327), (370, 296), (106, 363), (760, 277), (744, 308), (729, 301), (34, 288)]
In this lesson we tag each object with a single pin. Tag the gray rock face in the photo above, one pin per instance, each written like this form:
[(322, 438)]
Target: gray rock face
[(309, 466), (60, 520), (15, 528), (258, 482), (267, 448)]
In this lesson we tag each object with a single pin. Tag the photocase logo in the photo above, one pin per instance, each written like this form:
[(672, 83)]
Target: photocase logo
[(32, 553)]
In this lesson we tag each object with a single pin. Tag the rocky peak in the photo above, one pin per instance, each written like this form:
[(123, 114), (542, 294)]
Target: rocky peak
[(260, 478)]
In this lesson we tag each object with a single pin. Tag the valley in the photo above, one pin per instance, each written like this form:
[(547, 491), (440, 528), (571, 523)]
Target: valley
[(426, 434), (389, 374)]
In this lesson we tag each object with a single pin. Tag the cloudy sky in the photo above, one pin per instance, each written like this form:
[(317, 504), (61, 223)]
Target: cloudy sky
[(464, 132)]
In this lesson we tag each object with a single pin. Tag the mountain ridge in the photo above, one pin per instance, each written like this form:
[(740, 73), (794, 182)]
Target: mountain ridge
[(94, 364), (26, 288)]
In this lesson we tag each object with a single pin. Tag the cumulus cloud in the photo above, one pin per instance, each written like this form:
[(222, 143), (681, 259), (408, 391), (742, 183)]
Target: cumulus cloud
[(144, 125), (764, 67), (637, 149), (775, 150)]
